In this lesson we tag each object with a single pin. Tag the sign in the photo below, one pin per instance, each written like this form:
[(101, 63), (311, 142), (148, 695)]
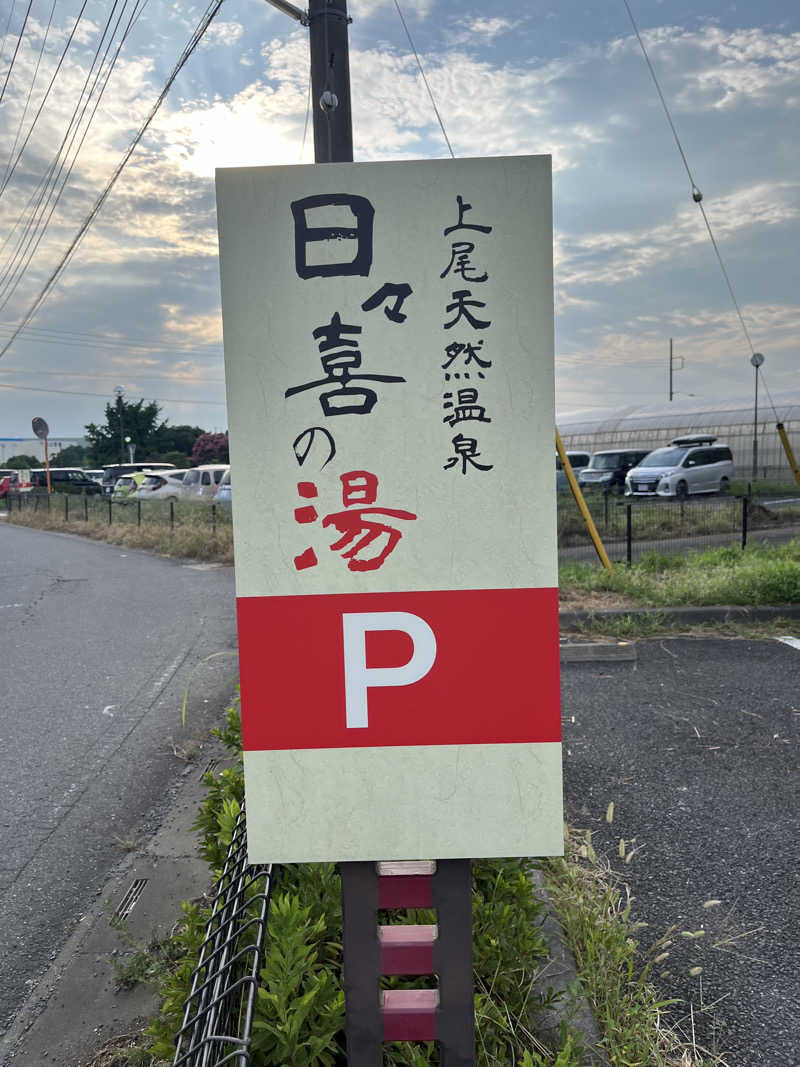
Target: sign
[(40, 428), (389, 365)]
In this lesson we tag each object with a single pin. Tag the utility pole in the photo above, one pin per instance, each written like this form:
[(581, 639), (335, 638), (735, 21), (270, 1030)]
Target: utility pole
[(330, 81), (673, 366)]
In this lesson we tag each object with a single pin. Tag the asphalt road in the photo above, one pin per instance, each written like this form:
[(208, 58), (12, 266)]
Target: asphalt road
[(696, 745), (98, 644)]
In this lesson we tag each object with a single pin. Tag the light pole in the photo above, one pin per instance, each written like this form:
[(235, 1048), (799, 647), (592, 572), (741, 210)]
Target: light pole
[(131, 448), (118, 391), (756, 360)]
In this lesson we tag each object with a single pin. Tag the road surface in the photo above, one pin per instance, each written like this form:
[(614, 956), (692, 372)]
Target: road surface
[(98, 645), (696, 745)]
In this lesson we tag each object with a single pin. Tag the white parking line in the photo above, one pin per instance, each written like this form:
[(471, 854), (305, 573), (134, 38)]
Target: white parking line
[(793, 641)]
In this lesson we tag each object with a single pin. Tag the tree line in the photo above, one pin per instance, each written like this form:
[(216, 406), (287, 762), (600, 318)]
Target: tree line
[(154, 439)]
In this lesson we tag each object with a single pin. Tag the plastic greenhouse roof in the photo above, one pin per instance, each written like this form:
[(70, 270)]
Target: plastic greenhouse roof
[(676, 415)]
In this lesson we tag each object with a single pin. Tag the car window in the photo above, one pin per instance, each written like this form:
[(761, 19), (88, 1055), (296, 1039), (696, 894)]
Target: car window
[(218, 476), (605, 461), (206, 479), (664, 457), (192, 478)]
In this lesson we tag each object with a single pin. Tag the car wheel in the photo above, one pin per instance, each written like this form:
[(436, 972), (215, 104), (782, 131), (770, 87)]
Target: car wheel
[(724, 485), (681, 490)]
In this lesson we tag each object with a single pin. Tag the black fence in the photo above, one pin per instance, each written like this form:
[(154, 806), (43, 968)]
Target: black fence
[(632, 527), (71, 507)]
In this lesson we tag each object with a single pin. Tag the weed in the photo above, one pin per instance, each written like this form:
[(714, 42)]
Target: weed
[(762, 574), (595, 912)]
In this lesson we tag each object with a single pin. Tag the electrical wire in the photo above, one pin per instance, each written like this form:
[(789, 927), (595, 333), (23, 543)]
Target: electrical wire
[(42, 103), (94, 340), (115, 377), (5, 31), (104, 396), (191, 45), (30, 93), (308, 112), (16, 50), (697, 196), (9, 286), (425, 80)]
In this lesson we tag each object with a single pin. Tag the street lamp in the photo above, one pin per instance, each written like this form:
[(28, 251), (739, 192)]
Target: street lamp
[(755, 360), (131, 448), (118, 391)]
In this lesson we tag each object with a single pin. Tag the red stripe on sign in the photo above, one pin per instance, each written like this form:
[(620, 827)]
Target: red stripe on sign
[(453, 667)]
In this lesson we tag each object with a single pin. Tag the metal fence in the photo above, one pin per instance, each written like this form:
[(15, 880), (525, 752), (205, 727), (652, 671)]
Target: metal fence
[(218, 1014), (73, 507), (633, 527)]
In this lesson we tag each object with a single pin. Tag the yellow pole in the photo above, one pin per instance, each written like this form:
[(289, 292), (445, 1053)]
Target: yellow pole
[(582, 507), (787, 447)]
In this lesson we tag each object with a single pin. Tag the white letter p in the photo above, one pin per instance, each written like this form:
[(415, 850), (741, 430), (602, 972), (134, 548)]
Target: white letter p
[(358, 677)]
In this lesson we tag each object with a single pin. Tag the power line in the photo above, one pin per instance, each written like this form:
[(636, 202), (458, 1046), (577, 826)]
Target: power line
[(194, 40), (73, 337), (697, 195), (30, 90), (16, 49), (425, 80), (105, 396), (42, 102), (115, 377), (51, 201)]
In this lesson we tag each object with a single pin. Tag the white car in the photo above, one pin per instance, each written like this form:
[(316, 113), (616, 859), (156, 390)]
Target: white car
[(162, 485), (686, 466), (203, 481)]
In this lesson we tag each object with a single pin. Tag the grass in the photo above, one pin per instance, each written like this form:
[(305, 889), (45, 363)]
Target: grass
[(194, 535), (657, 624), (594, 909), (656, 519), (761, 574)]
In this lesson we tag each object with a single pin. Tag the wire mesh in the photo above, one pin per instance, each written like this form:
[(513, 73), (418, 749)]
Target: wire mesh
[(218, 1013)]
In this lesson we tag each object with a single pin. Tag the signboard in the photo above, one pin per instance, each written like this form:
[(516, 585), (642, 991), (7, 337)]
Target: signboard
[(389, 364)]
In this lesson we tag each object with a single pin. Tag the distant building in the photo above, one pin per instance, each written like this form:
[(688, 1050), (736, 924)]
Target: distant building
[(652, 425), (32, 446)]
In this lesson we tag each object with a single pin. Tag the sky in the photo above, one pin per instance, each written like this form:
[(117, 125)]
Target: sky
[(138, 305)]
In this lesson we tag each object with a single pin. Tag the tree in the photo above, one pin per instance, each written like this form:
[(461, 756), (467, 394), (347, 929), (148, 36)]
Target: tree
[(71, 456), (210, 448), (136, 420), (181, 439), (22, 463)]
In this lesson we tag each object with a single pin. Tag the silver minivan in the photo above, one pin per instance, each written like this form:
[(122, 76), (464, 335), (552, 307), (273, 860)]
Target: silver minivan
[(686, 466)]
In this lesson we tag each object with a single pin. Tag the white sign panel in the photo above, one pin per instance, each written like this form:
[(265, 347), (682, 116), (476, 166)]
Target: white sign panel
[(389, 364)]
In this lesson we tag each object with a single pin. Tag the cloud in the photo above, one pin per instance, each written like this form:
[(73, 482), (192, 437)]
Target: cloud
[(224, 33)]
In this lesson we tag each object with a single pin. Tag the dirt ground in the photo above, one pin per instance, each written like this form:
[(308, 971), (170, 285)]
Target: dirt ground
[(578, 600)]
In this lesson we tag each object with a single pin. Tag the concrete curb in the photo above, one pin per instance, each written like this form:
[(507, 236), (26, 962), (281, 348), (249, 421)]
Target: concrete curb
[(561, 976), (687, 616)]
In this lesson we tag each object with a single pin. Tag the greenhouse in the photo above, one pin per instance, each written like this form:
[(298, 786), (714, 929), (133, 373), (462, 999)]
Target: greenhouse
[(650, 426)]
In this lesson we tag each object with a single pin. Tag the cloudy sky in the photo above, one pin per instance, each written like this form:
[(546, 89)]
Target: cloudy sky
[(138, 305)]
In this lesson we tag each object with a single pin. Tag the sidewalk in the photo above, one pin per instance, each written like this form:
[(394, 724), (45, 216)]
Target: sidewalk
[(76, 1008)]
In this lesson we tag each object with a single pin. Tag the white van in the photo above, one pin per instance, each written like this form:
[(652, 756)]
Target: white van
[(203, 481), (687, 465)]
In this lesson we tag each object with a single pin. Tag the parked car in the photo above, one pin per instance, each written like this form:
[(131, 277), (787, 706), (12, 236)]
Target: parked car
[(577, 460), (12, 475), (115, 470), (607, 469), (65, 480), (95, 475), (203, 481), (223, 494), (5, 484), (126, 487), (687, 465), (162, 485)]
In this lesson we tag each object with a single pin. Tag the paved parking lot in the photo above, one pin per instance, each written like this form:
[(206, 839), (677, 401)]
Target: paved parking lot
[(696, 745)]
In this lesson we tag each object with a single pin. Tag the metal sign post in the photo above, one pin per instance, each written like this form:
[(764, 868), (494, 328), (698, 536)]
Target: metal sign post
[(42, 431)]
